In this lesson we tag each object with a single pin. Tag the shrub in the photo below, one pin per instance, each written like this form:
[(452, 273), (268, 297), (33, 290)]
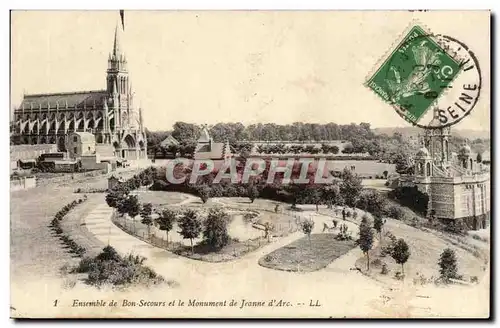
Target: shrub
[(268, 258), (474, 279), (411, 197), (110, 268), (384, 269), (159, 185), (395, 212), (215, 228), (354, 214), (456, 226), (448, 265)]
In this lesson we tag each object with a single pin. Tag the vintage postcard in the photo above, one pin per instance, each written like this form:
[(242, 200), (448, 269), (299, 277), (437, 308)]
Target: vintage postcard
[(250, 164)]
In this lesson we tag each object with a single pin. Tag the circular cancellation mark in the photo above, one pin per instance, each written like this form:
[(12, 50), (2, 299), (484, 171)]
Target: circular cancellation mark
[(432, 80)]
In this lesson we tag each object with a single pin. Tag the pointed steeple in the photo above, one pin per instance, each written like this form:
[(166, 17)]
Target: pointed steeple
[(117, 51)]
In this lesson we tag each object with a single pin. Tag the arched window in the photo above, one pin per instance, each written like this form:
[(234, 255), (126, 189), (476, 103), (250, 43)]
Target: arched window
[(428, 169), (470, 161)]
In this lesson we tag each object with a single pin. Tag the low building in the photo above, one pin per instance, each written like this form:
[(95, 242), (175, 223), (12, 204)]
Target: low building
[(206, 148), (81, 144)]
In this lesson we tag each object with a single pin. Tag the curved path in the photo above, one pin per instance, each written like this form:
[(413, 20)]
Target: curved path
[(337, 288), (340, 290)]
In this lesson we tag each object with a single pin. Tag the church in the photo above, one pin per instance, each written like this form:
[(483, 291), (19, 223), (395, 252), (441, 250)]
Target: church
[(109, 114), (458, 185)]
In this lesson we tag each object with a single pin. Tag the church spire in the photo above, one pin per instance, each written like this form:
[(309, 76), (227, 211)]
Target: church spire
[(117, 51)]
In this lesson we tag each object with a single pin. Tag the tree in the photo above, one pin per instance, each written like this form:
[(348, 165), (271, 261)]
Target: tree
[(378, 224), (479, 158), (448, 265), (307, 227), (400, 253), (132, 207), (204, 192), (146, 211), (166, 221), (403, 163), (350, 187), (372, 201), (215, 228), (112, 199), (315, 195), (253, 192), (365, 240), (190, 226)]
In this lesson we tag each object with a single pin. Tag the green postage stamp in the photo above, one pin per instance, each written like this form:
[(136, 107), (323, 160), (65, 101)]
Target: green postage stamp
[(414, 75)]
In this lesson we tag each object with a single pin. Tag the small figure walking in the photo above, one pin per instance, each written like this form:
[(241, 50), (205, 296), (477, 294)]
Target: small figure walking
[(343, 214)]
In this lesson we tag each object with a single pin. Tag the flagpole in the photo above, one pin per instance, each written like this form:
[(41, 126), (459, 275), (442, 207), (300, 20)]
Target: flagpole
[(122, 18)]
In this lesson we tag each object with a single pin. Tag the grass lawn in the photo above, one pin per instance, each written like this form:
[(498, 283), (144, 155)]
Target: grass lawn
[(306, 257), (235, 249), (159, 198)]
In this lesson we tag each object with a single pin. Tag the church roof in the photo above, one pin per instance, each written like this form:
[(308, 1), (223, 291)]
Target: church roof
[(63, 99), (85, 137), (168, 141), (204, 135), (214, 151)]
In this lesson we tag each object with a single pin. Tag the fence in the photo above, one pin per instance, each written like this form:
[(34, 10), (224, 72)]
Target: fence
[(131, 229)]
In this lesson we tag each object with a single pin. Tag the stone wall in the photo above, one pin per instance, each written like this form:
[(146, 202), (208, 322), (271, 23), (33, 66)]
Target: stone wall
[(442, 200), (18, 152)]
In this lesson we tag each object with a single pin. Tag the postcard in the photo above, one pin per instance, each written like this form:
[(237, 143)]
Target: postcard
[(250, 164)]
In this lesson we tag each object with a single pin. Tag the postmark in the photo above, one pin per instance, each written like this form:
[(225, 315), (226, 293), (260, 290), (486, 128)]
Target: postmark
[(431, 80)]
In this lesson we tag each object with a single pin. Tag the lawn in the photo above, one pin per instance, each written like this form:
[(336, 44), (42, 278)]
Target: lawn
[(425, 249), (307, 257), (159, 198)]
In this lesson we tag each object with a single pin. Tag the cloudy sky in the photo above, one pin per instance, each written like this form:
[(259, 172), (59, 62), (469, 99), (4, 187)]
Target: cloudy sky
[(208, 67)]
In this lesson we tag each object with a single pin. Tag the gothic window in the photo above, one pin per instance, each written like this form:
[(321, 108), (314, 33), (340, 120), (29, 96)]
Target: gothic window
[(80, 126), (62, 127), (470, 161)]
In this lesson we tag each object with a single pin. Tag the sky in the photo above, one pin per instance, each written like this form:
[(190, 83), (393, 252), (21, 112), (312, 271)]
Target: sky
[(244, 66)]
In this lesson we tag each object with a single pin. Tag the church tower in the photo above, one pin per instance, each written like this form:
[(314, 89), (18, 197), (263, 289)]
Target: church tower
[(126, 131), (117, 68)]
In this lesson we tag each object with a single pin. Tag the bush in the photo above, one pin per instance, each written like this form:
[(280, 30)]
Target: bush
[(411, 197), (384, 269), (110, 268), (215, 228), (448, 265), (396, 212), (456, 226)]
